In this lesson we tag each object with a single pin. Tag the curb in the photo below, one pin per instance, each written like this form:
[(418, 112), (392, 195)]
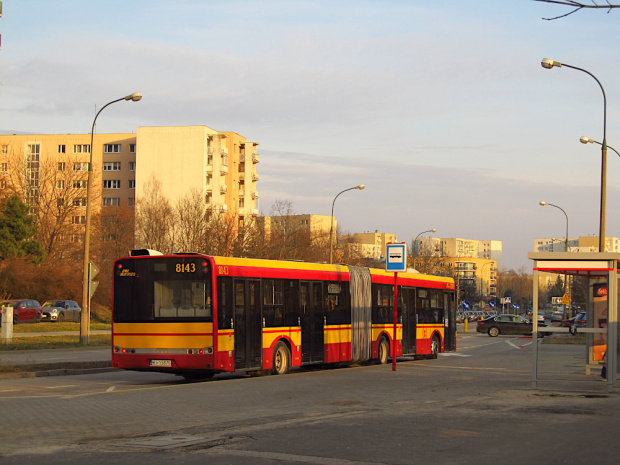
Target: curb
[(55, 372)]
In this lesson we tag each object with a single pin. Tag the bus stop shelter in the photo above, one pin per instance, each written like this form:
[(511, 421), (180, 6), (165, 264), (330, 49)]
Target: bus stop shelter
[(599, 272)]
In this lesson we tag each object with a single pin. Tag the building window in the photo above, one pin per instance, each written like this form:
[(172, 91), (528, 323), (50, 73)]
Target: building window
[(4, 167), (131, 201), (132, 148), (5, 149), (60, 166), (62, 148), (78, 220), (112, 166), (60, 203), (79, 202), (241, 203), (60, 184), (2, 184), (112, 148), (81, 148), (111, 201), (111, 184), (132, 166), (82, 166), (80, 184), (132, 183)]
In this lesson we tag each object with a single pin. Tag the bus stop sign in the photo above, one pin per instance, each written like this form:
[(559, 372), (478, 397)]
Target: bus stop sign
[(396, 259)]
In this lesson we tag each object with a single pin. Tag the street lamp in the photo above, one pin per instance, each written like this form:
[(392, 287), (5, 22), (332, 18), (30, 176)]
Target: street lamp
[(331, 229), (547, 63), (85, 315), (415, 241), (585, 140), (543, 203)]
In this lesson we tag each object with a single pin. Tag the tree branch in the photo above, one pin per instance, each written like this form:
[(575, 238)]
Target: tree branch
[(577, 6)]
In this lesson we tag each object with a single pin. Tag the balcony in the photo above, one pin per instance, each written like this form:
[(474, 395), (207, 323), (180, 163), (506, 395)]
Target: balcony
[(255, 158), (223, 170), (242, 158), (241, 211), (255, 177), (223, 189), (241, 192), (209, 188), (255, 195), (209, 169), (254, 211), (241, 176), (210, 150), (224, 207)]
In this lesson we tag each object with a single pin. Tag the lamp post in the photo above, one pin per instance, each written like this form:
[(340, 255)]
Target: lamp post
[(542, 203), (585, 140), (547, 63), (331, 229), (85, 315)]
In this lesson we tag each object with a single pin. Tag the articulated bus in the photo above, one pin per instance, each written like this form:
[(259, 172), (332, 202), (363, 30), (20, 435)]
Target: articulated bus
[(196, 315)]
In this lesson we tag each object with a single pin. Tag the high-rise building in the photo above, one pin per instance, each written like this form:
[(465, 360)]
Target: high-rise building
[(50, 171)]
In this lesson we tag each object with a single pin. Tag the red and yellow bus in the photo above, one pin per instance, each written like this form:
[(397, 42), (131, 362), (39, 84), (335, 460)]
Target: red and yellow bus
[(197, 315)]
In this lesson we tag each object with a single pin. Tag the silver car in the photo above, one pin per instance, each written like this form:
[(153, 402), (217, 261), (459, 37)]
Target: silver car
[(61, 310)]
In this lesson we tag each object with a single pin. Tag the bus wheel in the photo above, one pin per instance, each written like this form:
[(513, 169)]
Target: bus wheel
[(434, 347), (383, 352), (281, 359)]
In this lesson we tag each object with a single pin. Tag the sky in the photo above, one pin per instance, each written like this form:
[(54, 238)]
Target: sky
[(440, 108)]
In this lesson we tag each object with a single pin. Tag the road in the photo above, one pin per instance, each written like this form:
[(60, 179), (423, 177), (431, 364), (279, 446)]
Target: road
[(474, 406)]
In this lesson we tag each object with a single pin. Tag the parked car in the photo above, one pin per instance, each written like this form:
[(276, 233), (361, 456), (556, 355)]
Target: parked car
[(558, 315), (61, 310), (24, 310), (578, 320), (505, 324)]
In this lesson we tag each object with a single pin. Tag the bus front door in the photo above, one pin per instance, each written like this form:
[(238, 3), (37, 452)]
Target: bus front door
[(312, 322), (248, 325)]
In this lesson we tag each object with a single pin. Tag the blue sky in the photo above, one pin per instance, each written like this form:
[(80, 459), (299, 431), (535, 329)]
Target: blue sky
[(440, 108)]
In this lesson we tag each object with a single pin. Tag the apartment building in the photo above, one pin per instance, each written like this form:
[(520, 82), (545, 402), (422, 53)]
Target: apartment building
[(459, 248), (221, 166), (579, 244), (373, 245), (316, 225)]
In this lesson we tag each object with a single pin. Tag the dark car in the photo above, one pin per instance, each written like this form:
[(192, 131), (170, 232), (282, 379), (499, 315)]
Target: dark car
[(505, 324), (61, 310), (24, 310), (578, 320)]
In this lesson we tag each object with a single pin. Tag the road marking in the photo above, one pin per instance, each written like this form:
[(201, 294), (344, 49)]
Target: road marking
[(110, 389), (453, 354), (517, 346), (61, 387)]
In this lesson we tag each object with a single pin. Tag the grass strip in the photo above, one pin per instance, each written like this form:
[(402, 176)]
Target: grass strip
[(54, 342), (48, 327)]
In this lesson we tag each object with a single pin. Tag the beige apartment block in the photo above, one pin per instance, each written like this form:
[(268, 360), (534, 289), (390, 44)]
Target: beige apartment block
[(316, 225), (221, 166), (477, 273), (29, 162), (459, 247), (373, 245), (582, 244)]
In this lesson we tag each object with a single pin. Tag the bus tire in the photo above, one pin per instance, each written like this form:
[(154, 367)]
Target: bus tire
[(281, 359), (383, 351), (435, 346)]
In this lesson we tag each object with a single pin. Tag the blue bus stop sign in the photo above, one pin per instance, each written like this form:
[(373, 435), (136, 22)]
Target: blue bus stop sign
[(466, 305), (396, 259)]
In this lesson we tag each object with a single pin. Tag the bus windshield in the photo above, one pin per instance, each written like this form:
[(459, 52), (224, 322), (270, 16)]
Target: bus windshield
[(163, 289)]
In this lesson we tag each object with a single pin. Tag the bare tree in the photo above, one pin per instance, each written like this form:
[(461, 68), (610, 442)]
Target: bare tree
[(155, 219), (578, 6), (192, 223), (54, 188)]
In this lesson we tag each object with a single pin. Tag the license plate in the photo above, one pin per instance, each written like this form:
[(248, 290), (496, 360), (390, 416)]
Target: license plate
[(161, 363)]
